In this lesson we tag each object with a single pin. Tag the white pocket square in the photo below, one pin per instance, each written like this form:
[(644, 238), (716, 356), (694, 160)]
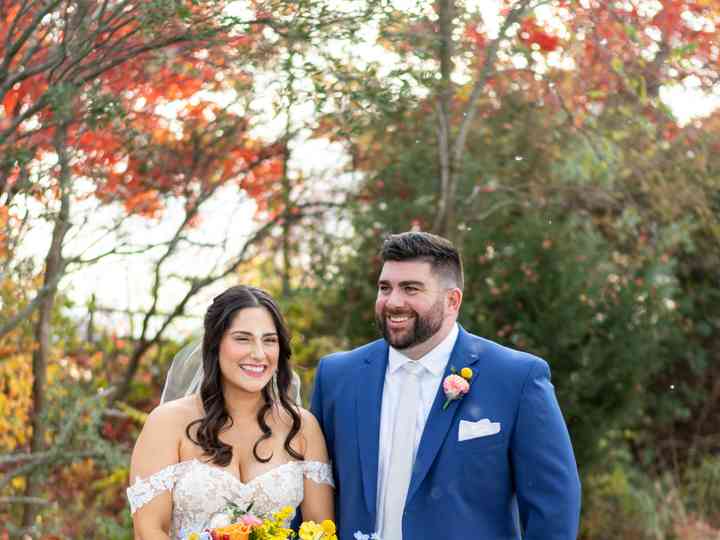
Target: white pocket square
[(473, 430)]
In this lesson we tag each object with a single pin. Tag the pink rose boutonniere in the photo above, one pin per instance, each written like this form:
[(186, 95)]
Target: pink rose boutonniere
[(456, 386)]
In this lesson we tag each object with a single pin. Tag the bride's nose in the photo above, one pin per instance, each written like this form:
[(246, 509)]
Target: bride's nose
[(258, 350)]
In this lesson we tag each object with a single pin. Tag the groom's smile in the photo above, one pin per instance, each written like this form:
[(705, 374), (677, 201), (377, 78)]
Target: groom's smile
[(398, 321), (399, 324)]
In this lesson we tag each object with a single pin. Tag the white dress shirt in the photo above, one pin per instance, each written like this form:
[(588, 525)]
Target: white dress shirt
[(429, 369)]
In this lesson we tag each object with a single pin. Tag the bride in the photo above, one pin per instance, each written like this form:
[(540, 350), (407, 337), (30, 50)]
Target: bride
[(241, 439)]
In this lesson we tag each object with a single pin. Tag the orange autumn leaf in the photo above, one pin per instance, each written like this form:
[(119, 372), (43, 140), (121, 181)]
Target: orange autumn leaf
[(145, 203), (10, 101)]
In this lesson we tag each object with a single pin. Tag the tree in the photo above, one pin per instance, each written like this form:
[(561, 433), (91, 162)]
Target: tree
[(53, 55), (54, 58), (460, 62), (565, 145)]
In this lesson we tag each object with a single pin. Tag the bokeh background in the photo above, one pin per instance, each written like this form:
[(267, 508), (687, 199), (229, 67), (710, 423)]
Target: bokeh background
[(154, 152)]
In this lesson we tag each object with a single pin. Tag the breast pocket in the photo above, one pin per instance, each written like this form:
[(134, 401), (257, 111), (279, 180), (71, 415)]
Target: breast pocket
[(479, 445), (484, 461)]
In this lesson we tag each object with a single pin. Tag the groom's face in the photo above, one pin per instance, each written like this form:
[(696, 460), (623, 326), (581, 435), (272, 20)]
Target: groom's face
[(410, 304)]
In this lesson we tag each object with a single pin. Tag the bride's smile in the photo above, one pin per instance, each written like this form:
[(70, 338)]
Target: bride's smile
[(254, 370)]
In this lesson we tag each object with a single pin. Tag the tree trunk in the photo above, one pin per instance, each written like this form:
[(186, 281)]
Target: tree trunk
[(286, 184), (286, 240), (452, 149), (123, 388), (54, 269), (444, 219)]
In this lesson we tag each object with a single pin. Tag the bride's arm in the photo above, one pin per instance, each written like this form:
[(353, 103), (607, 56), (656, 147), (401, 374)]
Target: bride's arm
[(155, 452), (318, 501)]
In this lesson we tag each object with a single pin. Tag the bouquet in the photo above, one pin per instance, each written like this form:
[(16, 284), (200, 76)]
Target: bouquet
[(246, 526)]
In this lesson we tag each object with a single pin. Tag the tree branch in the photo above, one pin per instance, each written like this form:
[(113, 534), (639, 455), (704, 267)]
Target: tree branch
[(12, 50), (484, 74), (196, 286), (22, 315)]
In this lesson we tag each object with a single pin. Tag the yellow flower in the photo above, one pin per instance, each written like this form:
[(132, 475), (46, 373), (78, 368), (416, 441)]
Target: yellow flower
[(193, 536), (309, 530), (466, 373), (284, 513), (328, 527)]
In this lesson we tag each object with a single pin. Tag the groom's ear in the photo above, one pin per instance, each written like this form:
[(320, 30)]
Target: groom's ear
[(454, 299)]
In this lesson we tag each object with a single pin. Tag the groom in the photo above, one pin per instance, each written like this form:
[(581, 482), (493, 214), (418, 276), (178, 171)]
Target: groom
[(435, 433)]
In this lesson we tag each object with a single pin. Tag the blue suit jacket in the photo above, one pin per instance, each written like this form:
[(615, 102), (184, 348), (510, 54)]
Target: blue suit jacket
[(521, 481)]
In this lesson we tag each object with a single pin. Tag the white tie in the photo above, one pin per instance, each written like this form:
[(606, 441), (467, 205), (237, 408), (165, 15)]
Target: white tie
[(402, 453)]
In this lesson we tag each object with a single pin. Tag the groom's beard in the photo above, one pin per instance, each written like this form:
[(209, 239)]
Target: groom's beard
[(421, 329)]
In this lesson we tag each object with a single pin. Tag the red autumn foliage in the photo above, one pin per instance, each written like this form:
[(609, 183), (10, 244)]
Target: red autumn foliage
[(202, 149), (533, 34), (478, 38), (140, 159), (618, 48)]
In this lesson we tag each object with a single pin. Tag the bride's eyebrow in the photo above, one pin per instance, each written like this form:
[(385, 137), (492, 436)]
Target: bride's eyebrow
[(246, 333)]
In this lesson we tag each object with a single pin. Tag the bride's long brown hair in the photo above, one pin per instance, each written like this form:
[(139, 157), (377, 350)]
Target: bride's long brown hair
[(217, 321)]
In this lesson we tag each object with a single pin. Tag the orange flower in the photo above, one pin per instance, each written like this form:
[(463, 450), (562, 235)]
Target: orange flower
[(237, 531)]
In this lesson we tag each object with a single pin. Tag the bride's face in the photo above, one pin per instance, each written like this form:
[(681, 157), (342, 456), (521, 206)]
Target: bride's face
[(249, 350)]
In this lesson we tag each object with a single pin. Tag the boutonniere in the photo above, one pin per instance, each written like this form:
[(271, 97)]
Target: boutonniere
[(456, 385)]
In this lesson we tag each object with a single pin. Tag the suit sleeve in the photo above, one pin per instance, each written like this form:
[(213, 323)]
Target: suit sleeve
[(316, 401), (546, 476)]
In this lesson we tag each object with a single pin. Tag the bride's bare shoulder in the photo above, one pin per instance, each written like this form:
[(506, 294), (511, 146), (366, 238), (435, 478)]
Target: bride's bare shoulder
[(314, 447), (174, 415), (159, 443), (310, 428), (309, 422)]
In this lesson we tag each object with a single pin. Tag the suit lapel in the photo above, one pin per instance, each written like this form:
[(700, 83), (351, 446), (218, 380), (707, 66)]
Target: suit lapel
[(371, 377), (465, 353)]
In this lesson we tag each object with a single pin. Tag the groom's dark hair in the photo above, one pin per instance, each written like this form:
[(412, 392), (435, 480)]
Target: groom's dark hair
[(443, 256)]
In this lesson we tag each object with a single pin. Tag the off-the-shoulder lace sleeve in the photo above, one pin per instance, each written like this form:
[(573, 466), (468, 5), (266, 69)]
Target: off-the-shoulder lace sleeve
[(320, 473), (145, 490)]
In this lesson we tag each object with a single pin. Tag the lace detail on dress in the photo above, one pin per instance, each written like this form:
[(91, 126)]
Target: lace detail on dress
[(320, 473), (145, 490), (201, 491)]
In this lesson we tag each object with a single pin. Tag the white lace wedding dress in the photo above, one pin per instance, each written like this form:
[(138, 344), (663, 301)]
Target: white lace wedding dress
[(200, 491)]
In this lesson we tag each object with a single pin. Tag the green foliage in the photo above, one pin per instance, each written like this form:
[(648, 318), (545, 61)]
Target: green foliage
[(61, 97), (701, 488), (15, 156), (102, 108), (622, 501), (158, 12), (114, 529), (550, 286)]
